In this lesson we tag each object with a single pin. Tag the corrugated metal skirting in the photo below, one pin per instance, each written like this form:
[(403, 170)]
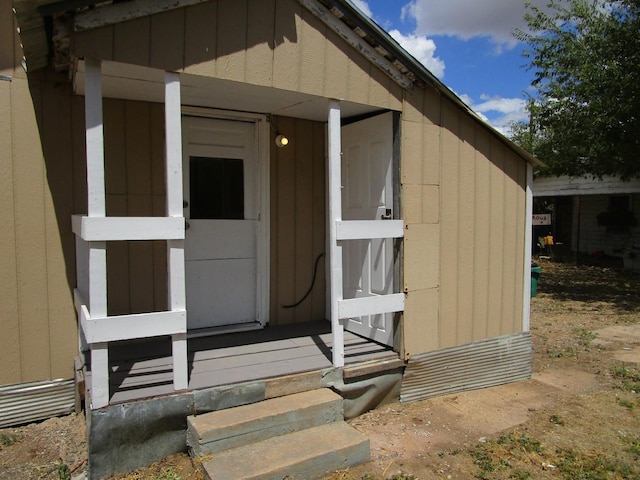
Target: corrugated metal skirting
[(28, 402), (486, 363)]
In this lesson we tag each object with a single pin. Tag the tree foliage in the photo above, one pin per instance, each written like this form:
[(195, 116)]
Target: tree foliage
[(585, 113)]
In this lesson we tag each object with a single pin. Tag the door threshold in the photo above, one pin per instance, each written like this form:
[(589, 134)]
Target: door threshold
[(210, 331)]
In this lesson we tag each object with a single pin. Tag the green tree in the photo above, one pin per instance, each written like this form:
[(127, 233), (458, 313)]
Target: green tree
[(585, 112)]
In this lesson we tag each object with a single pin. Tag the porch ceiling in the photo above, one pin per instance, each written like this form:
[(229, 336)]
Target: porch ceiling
[(133, 82)]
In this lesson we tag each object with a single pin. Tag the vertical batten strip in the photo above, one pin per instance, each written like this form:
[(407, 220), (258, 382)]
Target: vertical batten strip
[(335, 215), (528, 233), (97, 265), (175, 248), (263, 131)]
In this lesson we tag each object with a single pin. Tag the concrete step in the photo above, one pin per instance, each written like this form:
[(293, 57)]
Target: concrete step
[(224, 429), (306, 454)]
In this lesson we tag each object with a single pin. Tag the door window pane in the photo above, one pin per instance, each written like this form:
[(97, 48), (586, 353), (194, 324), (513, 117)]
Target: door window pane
[(216, 188)]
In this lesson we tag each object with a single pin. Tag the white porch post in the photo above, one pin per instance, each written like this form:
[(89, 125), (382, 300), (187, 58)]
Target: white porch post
[(97, 264), (175, 248), (528, 233), (335, 216)]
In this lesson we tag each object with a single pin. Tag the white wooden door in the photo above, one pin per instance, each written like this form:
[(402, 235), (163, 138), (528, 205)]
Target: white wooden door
[(367, 194), (221, 210)]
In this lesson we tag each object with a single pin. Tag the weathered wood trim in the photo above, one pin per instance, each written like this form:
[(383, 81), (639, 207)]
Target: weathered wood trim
[(121, 12), (567, 186), (369, 368), (358, 307), (93, 229), (368, 229), (100, 375), (358, 43), (335, 216)]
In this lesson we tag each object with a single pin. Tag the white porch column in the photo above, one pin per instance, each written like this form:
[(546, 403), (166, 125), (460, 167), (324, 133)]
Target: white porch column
[(528, 233), (175, 248), (335, 216), (97, 262)]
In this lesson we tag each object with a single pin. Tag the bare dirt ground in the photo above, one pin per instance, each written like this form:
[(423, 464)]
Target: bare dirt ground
[(577, 418)]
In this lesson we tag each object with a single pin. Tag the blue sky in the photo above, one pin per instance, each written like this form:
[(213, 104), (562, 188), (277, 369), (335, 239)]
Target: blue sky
[(468, 45)]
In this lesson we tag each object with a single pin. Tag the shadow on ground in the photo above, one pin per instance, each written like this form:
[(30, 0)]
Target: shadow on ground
[(590, 284)]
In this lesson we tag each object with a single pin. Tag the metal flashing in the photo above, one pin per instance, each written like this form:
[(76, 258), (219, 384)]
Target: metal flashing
[(27, 402), (486, 363)]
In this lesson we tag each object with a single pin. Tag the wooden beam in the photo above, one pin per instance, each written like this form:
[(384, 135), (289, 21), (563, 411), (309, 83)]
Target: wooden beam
[(130, 327), (121, 12), (173, 145), (358, 307), (97, 291), (175, 247), (99, 375), (93, 229), (368, 229), (96, 207), (335, 216), (94, 137)]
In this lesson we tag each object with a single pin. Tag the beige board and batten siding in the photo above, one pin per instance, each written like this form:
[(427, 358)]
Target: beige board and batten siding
[(37, 318), (135, 187), (298, 222), (277, 44), (42, 183), (463, 194)]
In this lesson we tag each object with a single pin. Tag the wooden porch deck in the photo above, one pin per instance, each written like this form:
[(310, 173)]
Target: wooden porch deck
[(143, 369)]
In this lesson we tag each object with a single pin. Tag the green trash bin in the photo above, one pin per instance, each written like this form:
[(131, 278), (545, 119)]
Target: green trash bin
[(535, 276)]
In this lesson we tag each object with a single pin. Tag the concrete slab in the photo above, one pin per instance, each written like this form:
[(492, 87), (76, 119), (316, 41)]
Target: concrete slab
[(221, 430), (306, 454)]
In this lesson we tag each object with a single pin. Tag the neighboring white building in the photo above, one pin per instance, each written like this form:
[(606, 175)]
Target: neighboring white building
[(592, 216)]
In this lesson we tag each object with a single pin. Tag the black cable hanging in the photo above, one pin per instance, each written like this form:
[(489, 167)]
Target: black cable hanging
[(313, 281)]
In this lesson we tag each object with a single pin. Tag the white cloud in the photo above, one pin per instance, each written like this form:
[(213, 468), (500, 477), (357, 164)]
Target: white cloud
[(496, 19), (363, 6), (423, 49), (498, 111)]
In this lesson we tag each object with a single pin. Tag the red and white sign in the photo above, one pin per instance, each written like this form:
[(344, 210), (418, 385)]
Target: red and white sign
[(541, 219)]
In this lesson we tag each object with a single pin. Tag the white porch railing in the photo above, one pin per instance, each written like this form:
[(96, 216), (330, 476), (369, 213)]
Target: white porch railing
[(341, 230), (96, 327)]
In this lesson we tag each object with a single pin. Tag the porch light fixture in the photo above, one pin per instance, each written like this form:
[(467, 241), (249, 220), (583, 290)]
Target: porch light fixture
[(282, 141)]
